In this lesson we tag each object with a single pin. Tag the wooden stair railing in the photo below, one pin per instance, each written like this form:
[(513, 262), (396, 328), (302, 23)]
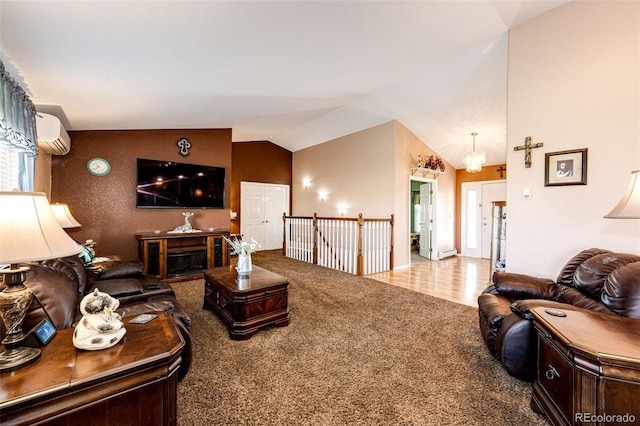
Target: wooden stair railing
[(355, 245)]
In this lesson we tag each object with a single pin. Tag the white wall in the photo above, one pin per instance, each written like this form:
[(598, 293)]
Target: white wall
[(574, 82), (369, 172), (408, 147), (355, 170)]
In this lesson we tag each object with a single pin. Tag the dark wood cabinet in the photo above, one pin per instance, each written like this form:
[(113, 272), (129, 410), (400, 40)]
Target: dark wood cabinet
[(245, 304), (588, 368), (182, 256), (131, 383)]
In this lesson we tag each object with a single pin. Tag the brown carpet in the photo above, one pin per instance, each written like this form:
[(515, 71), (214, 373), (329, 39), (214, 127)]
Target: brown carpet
[(357, 352)]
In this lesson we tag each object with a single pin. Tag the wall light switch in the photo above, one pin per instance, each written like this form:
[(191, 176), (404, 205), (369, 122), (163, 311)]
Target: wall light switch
[(526, 194)]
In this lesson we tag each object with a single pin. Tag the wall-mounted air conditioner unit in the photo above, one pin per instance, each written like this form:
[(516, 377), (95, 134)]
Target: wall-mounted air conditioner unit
[(52, 137)]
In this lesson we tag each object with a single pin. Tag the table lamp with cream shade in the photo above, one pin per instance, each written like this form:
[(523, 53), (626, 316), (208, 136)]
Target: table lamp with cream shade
[(66, 220), (29, 232), (629, 206), (63, 216)]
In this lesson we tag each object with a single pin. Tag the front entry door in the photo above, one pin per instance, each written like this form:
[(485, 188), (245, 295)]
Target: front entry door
[(476, 216)]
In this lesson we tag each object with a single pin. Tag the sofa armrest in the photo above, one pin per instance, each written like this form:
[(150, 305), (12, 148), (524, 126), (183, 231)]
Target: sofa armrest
[(519, 286), (492, 309), (491, 289), (523, 307)]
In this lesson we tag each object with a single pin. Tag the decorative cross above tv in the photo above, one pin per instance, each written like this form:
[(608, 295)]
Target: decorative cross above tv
[(168, 184)]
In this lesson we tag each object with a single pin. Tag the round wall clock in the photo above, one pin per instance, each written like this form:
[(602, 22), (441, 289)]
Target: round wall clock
[(98, 166)]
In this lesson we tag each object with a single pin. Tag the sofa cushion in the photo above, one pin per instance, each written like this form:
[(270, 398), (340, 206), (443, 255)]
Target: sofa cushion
[(150, 288), (76, 263), (118, 287), (56, 292), (519, 286), (62, 267), (566, 274), (572, 296), (120, 270), (621, 292), (590, 276)]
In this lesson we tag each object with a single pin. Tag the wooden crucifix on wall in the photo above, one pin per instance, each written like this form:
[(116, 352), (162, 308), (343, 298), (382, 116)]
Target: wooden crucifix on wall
[(527, 147)]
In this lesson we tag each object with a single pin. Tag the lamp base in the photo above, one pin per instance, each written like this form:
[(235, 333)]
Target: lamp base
[(14, 302), (15, 358)]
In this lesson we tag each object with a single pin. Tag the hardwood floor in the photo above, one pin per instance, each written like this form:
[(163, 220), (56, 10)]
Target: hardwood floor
[(458, 279)]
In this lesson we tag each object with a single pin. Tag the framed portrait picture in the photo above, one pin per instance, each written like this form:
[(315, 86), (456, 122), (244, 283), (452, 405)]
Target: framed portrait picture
[(565, 168)]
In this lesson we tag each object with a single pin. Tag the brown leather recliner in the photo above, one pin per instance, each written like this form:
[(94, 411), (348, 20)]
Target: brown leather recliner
[(60, 284), (595, 279)]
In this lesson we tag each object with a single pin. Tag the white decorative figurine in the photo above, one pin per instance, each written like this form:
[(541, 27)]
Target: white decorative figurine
[(100, 327), (186, 227)]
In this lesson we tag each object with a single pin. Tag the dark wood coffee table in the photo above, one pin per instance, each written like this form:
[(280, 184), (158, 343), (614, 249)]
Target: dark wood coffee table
[(246, 304)]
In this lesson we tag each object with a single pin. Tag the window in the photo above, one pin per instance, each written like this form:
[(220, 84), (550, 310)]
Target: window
[(18, 135), (9, 168)]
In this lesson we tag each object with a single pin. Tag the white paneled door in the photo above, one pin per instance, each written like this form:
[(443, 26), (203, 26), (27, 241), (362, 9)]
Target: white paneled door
[(476, 216), (426, 221), (261, 209)]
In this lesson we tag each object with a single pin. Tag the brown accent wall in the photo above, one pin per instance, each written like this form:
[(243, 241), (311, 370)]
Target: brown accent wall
[(106, 206), (462, 176), (260, 161)]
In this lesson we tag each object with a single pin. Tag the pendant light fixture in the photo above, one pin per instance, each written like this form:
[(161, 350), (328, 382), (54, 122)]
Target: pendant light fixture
[(474, 160)]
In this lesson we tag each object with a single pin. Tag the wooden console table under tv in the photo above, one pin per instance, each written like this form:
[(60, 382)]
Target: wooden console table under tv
[(182, 256), (131, 383), (588, 367)]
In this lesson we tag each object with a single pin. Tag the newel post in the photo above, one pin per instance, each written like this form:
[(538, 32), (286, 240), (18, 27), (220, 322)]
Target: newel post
[(284, 233), (391, 254), (315, 238), (360, 258)]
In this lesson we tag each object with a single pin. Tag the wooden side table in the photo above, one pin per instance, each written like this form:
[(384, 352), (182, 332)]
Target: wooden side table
[(588, 368), (133, 382), (246, 304)]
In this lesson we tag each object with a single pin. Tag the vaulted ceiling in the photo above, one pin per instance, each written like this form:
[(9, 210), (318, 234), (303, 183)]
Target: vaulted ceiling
[(297, 73)]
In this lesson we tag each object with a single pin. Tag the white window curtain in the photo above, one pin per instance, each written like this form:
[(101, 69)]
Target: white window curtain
[(18, 138)]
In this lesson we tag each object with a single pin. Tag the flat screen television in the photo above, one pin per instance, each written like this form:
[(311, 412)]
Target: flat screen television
[(168, 184)]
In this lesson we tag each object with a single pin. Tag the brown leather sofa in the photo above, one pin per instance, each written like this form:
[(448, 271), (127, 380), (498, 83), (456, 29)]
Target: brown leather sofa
[(60, 284), (595, 279)]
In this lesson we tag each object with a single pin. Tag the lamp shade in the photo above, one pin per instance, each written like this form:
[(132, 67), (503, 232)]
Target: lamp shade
[(629, 205), (29, 230), (64, 216)]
